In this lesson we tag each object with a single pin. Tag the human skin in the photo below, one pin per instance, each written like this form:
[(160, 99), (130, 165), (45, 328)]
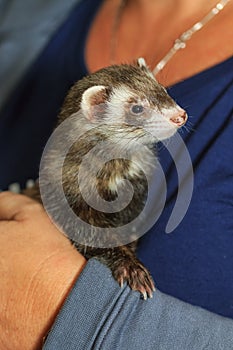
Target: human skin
[(38, 267), (148, 28)]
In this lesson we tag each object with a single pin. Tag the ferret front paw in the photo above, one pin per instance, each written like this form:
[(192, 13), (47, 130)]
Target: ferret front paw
[(135, 275)]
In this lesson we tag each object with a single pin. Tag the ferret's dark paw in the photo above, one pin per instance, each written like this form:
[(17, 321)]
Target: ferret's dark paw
[(136, 276)]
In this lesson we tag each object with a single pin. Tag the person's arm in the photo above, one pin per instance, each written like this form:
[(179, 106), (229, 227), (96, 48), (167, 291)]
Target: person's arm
[(48, 289), (98, 314), (38, 266)]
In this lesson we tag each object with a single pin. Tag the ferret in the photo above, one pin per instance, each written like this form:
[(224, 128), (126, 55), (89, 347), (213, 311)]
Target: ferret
[(126, 107)]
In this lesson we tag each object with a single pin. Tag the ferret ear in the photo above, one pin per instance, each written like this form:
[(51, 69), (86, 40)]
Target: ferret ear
[(93, 100), (142, 64)]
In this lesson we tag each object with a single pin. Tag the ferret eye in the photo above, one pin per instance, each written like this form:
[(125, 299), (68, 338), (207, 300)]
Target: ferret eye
[(137, 109)]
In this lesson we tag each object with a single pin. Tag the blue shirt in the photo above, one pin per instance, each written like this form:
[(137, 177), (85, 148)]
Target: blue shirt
[(193, 263)]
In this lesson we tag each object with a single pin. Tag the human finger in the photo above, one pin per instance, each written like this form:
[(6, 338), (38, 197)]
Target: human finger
[(12, 206)]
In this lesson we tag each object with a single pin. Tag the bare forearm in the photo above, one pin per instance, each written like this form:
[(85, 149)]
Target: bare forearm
[(38, 267)]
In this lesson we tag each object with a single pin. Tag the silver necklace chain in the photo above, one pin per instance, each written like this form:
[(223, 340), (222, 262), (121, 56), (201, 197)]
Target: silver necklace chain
[(179, 43)]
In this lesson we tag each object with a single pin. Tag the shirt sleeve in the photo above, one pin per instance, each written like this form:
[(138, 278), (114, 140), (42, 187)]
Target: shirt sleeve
[(98, 314)]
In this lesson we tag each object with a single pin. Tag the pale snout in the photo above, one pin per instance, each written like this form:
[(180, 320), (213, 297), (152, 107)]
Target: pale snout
[(179, 117)]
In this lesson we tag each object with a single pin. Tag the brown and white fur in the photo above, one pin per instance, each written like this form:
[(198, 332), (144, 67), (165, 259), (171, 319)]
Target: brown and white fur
[(126, 104)]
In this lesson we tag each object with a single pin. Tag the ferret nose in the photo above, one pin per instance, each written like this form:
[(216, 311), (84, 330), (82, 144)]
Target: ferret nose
[(179, 118)]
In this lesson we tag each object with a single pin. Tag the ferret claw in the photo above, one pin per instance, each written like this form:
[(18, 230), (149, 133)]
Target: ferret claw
[(144, 295), (136, 276), (121, 282)]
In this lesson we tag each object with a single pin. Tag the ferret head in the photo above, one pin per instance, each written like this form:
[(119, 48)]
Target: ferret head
[(126, 95)]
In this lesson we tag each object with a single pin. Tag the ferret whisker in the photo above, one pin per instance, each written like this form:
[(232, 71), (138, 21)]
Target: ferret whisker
[(189, 127)]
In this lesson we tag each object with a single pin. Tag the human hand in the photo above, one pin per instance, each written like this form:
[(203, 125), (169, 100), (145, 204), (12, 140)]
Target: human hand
[(38, 267)]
